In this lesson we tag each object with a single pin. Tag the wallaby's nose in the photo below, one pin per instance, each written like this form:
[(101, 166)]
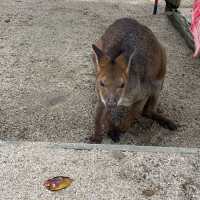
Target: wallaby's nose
[(111, 101)]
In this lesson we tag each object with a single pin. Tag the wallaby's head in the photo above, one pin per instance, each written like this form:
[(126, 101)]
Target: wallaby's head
[(112, 78)]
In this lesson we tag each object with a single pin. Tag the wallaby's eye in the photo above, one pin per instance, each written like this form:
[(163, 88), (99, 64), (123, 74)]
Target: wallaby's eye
[(122, 85), (102, 84)]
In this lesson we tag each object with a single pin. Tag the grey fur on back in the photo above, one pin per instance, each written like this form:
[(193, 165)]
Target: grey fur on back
[(126, 35)]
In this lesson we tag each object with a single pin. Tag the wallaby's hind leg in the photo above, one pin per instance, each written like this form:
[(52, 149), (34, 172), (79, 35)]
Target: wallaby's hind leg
[(150, 108), (150, 112)]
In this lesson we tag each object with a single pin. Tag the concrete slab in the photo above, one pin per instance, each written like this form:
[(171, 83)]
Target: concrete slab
[(47, 78), (97, 174)]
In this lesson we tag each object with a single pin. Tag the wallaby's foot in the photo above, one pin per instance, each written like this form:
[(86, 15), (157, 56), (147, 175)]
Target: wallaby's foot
[(114, 135), (164, 122), (95, 139)]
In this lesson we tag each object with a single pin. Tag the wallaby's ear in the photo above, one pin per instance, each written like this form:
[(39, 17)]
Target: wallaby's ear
[(99, 54), (99, 58), (121, 61)]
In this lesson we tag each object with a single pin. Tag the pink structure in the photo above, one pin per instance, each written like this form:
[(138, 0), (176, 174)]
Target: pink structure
[(195, 27)]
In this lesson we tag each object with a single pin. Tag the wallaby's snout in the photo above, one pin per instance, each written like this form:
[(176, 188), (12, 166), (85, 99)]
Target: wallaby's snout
[(111, 102)]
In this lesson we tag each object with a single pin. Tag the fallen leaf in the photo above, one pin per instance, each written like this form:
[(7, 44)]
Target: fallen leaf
[(58, 183)]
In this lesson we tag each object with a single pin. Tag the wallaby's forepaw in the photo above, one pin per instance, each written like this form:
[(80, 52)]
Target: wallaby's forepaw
[(95, 140)]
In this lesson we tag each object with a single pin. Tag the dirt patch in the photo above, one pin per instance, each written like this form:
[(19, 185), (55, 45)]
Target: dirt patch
[(47, 78)]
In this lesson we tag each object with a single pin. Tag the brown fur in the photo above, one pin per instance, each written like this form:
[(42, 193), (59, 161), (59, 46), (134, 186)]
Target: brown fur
[(128, 53)]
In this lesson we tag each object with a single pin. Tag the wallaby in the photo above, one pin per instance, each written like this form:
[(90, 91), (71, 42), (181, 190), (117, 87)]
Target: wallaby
[(130, 70)]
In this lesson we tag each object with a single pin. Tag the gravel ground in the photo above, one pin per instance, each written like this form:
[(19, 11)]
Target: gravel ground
[(47, 77), (98, 175)]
